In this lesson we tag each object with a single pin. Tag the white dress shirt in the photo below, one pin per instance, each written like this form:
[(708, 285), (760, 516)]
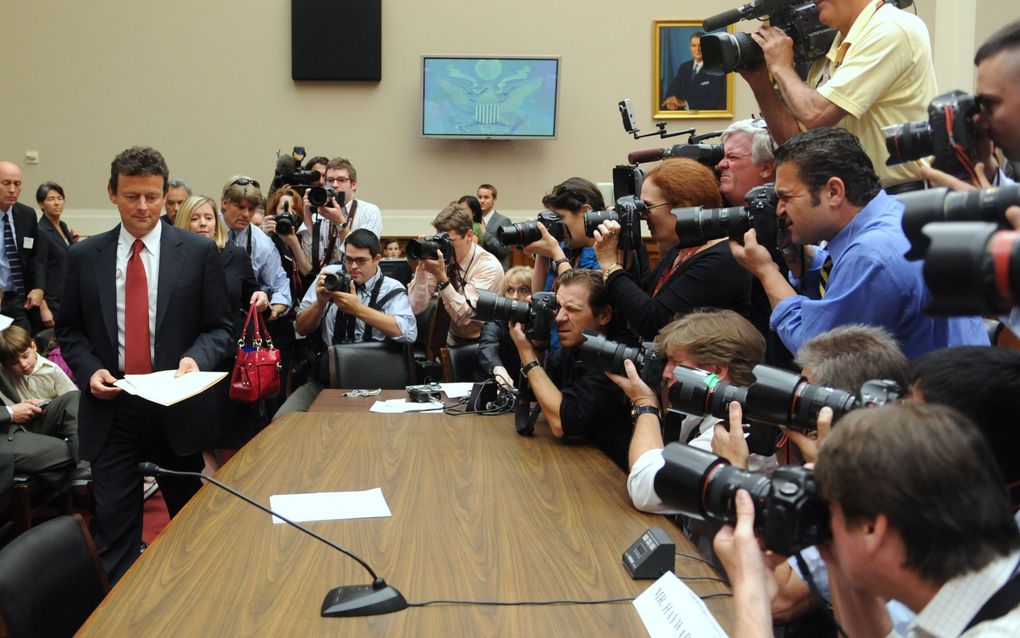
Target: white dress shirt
[(150, 259)]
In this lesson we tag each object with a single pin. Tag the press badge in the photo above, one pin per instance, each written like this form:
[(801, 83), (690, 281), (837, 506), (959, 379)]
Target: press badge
[(28, 243)]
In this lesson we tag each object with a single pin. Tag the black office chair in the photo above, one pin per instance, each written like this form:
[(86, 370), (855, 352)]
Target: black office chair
[(459, 363), (50, 580), (373, 364), (431, 339)]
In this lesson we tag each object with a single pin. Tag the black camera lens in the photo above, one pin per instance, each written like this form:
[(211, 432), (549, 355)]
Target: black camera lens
[(422, 249), (337, 282), (784, 398), (320, 196), (704, 486), (286, 223), (603, 354), (593, 218), (493, 307), (941, 204), (971, 268), (726, 52), (908, 141), (696, 226), (700, 392), (519, 234)]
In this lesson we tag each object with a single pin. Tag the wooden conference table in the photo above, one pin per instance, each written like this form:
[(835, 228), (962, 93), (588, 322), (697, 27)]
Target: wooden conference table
[(479, 514)]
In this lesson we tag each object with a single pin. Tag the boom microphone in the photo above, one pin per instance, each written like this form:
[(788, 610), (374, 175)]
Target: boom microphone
[(350, 600), (647, 155)]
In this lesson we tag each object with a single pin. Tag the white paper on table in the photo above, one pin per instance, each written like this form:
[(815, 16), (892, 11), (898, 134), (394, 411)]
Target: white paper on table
[(162, 388), (670, 608), (457, 390), (5, 321), (398, 406), (330, 506)]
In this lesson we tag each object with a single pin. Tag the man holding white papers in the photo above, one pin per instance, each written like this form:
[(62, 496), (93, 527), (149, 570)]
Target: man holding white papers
[(142, 297)]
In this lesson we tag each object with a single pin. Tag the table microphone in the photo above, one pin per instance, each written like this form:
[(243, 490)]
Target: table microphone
[(350, 600)]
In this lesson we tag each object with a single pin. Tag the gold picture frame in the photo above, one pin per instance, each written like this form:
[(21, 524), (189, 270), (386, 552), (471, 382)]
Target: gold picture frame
[(673, 54)]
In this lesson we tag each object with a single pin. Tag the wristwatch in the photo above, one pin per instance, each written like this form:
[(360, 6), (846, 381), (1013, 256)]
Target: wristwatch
[(528, 366), (441, 285), (644, 409), (609, 271), (556, 264)]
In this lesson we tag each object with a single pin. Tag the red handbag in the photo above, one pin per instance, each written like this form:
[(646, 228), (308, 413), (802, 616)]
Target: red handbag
[(256, 373)]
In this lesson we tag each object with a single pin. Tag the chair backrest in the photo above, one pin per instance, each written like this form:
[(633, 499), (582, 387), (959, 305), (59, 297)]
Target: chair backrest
[(463, 361), (50, 579), (432, 329), (372, 364)]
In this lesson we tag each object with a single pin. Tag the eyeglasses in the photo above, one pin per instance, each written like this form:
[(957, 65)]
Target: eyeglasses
[(338, 180), (360, 261), (651, 206), (245, 181)]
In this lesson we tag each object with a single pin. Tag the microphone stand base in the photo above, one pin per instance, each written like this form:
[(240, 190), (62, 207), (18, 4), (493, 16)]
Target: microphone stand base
[(362, 600)]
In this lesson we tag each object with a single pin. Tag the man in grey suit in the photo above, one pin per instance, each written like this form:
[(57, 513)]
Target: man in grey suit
[(143, 297), (39, 441), (493, 220)]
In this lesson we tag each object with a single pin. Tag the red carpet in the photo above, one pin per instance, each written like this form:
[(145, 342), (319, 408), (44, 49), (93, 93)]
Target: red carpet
[(154, 517)]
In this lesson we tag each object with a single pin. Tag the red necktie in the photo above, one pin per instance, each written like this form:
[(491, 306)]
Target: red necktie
[(136, 315)]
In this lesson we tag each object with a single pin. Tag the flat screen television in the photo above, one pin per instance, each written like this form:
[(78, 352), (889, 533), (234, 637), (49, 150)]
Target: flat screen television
[(506, 97)]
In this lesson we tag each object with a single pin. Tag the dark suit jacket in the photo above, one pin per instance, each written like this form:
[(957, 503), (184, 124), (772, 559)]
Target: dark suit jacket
[(491, 242), (53, 256), (192, 320), (27, 226), (702, 92)]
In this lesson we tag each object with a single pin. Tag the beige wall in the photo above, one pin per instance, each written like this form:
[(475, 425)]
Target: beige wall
[(208, 83)]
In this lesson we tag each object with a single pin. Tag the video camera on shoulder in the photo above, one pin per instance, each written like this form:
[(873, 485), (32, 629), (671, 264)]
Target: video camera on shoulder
[(536, 316), (429, 248), (628, 212), (727, 52), (788, 510), (289, 173), (599, 353), (777, 397), (523, 233), (948, 134)]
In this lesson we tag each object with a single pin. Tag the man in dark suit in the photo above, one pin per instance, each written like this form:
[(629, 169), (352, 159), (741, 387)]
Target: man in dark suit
[(39, 441), (486, 195), (142, 297), (19, 259), (692, 89)]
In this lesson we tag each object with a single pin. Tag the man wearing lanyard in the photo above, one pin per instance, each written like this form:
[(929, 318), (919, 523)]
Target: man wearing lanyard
[(374, 308), (339, 219), (878, 72), (18, 258)]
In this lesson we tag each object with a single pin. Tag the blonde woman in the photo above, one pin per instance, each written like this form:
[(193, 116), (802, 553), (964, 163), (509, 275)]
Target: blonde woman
[(497, 355)]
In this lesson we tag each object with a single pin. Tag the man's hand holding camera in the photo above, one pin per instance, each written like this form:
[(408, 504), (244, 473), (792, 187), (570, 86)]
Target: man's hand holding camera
[(547, 246), (637, 391), (777, 47), (524, 345)]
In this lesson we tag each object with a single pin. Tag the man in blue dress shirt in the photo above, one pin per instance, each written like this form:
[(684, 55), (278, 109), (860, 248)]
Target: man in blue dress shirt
[(828, 191)]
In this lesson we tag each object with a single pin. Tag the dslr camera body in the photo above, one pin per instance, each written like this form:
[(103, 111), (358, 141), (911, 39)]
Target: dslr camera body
[(788, 510), (628, 212), (599, 353), (536, 316), (337, 281), (523, 233), (696, 225), (429, 248), (320, 196), (948, 134)]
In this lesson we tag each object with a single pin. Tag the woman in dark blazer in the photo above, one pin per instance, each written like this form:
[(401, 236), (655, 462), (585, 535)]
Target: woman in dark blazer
[(238, 422), (55, 239)]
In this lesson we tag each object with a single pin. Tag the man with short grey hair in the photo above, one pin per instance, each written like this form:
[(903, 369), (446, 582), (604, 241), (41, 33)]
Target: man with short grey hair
[(177, 191), (747, 161)]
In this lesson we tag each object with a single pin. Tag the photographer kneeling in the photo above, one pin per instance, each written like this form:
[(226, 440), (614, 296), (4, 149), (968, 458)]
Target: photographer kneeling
[(578, 402), (372, 307)]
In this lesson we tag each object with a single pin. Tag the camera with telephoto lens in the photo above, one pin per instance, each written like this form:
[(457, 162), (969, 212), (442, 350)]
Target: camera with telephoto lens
[(628, 213), (430, 247), (942, 205), (726, 52), (599, 353), (523, 233), (971, 268), (320, 196), (948, 135), (777, 397), (696, 225), (536, 317), (287, 222), (789, 512), (337, 281)]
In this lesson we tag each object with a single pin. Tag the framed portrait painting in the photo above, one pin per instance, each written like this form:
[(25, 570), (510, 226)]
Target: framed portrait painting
[(681, 88)]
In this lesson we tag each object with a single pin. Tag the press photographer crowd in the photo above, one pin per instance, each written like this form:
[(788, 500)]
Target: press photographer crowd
[(807, 375)]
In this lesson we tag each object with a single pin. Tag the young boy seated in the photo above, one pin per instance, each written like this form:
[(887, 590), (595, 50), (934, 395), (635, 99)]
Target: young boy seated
[(29, 374)]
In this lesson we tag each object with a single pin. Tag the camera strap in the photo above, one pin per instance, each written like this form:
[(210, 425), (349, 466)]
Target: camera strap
[(1003, 601), (681, 258)]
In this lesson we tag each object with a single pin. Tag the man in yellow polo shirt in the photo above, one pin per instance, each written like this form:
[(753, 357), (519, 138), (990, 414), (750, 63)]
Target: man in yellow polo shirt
[(877, 73)]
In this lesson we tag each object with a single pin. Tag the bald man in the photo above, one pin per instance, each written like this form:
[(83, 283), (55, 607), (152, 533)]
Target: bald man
[(19, 260)]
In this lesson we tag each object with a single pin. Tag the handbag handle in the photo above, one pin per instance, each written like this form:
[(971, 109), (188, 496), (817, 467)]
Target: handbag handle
[(261, 321), (247, 322)]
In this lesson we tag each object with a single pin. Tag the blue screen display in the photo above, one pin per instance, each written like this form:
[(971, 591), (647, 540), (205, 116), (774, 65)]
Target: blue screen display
[(489, 97)]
